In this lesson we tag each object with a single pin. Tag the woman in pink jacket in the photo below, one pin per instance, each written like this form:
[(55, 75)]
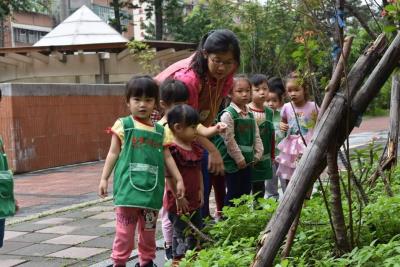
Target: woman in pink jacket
[(208, 75)]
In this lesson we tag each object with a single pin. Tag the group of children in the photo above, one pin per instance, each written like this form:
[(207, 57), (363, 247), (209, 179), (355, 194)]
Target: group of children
[(259, 137)]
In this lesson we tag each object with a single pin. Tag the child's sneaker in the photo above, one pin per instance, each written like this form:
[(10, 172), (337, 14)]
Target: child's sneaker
[(149, 264), (168, 251)]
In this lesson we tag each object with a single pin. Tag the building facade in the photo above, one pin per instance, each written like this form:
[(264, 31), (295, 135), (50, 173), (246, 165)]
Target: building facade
[(26, 28)]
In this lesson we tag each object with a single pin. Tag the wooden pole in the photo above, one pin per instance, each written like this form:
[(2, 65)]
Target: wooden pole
[(334, 83), (311, 165), (394, 118)]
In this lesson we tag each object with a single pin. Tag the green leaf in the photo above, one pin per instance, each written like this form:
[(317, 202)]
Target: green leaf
[(389, 29), (390, 8)]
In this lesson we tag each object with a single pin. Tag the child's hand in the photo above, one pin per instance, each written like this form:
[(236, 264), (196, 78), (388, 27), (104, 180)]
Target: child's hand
[(103, 188), (221, 127), (242, 164), (182, 205), (180, 189), (283, 126)]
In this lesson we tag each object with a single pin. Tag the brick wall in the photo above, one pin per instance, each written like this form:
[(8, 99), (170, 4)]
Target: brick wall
[(49, 125)]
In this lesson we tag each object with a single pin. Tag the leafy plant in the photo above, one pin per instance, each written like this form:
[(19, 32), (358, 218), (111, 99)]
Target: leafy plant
[(145, 56)]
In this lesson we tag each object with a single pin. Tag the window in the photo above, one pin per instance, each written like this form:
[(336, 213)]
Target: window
[(107, 13), (27, 36)]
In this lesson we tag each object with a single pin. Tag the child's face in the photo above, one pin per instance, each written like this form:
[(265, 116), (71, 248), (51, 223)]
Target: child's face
[(241, 93), (260, 93), (295, 92), (273, 101), (186, 133), (220, 64), (141, 107)]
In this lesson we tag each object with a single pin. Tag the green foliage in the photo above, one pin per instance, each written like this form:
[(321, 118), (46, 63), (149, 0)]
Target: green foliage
[(235, 236), (387, 254), (145, 56)]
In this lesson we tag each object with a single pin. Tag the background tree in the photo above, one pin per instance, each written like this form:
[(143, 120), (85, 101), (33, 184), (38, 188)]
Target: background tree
[(9, 6)]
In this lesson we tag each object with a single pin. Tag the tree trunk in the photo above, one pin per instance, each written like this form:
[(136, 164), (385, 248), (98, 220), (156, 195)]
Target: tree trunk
[(339, 224), (394, 118), (334, 83), (311, 165), (158, 13)]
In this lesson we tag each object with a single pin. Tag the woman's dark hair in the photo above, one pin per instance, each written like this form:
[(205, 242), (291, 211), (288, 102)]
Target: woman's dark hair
[(215, 41), (173, 91), (183, 114), (275, 85), (139, 86), (258, 79)]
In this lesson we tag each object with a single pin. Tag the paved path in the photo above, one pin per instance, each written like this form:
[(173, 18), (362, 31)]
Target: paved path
[(62, 222)]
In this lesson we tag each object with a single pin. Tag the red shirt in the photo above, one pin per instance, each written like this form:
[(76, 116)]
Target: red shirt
[(189, 165)]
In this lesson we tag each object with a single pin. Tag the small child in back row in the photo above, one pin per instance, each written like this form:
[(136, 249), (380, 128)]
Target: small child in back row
[(275, 103), (240, 146), (298, 119), (262, 171)]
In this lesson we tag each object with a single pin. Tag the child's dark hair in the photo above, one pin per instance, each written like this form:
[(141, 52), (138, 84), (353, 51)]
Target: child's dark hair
[(173, 91), (275, 85), (300, 81), (142, 85), (258, 79), (215, 41), (241, 77), (183, 114)]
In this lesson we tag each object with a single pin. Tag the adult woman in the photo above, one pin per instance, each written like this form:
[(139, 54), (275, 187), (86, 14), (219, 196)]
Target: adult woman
[(208, 75)]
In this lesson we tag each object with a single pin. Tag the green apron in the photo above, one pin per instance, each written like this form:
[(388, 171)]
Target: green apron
[(244, 135), (7, 201), (263, 169), (139, 172)]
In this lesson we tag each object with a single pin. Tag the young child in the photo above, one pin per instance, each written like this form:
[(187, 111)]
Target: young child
[(5, 189), (262, 171), (183, 121), (298, 118), (174, 92), (138, 155), (240, 145), (275, 103)]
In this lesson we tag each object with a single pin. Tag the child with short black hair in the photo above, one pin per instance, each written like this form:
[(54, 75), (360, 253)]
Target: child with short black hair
[(240, 145), (174, 92), (138, 154), (262, 171), (275, 102), (183, 120)]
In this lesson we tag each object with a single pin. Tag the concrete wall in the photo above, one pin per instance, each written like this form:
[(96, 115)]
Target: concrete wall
[(48, 125)]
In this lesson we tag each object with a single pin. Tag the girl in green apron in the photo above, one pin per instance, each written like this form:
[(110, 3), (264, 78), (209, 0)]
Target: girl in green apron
[(137, 154), (240, 145), (262, 171), (8, 205)]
